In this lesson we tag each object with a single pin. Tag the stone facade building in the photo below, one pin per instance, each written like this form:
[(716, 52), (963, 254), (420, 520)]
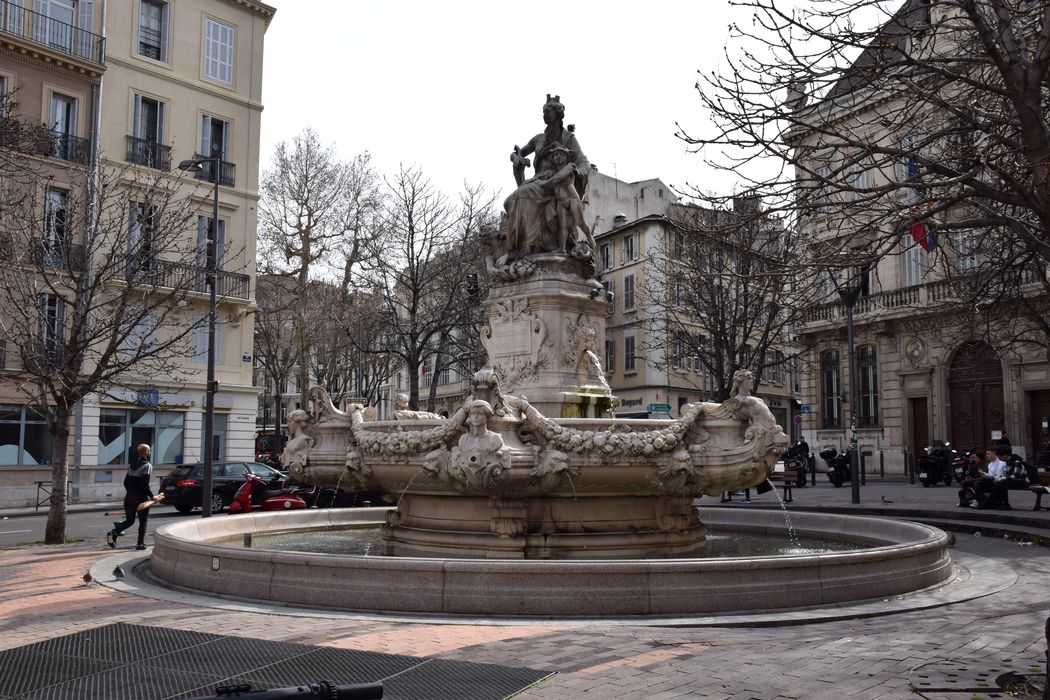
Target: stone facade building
[(171, 81)]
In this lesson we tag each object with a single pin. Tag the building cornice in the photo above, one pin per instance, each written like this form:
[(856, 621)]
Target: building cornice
[(259, 8), (39, 57)]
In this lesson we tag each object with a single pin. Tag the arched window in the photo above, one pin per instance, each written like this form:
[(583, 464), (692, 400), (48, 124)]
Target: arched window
[(867, 375), (830, 387)]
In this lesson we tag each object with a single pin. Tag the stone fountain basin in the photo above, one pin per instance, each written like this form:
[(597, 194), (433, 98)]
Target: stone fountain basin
[(912, 556), (724, 462)]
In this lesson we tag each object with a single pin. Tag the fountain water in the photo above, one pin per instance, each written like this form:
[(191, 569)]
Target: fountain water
[(532, 468)]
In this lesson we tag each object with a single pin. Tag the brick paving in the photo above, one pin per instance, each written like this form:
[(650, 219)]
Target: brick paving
[(42, 595)]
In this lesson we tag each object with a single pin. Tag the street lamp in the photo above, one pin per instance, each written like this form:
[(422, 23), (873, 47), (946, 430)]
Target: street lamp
[(197, 165), (849, 293)]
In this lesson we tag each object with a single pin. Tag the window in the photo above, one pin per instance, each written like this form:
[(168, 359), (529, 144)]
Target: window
[(57, 31), (51, 323), (823, 189), (967, 250), (610, 356), (141, 237), (628, 292), (911, 262), (677, 244), (630, 247), (610, 288), (204, 231), (700, 343), (830, 387), (3, 96), (907, 168), (825, 286), (56, 215), (628, 353), (147, 131), (775, 360), (679, 297), (199, 341), (867, 371), (24, 440), (62, 121), (218, 51), (121, 430), (860, 179), (444, 376), (153, 29), (606, 256), (680, 351), (215, 136)]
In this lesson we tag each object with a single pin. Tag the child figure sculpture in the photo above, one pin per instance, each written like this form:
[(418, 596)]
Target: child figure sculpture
[(567, 199)]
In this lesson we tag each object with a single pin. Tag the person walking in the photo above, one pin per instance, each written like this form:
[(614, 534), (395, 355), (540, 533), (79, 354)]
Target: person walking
[(136, 491)]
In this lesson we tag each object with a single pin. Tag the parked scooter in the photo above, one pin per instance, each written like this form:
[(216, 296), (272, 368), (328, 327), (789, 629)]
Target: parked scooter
[(935, 464), (960, 466), (797, 457), (255, 492), (838, 465)]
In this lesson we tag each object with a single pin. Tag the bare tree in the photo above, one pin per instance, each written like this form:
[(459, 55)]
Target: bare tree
[(725, 299), (274, 341), (879, 121), (95, 295), (420, 260), (314, 219)]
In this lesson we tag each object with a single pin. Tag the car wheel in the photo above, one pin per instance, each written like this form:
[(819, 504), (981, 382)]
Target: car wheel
[(217, 503), (184, 509)]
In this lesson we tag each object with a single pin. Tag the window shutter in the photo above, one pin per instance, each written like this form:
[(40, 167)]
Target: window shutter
[(136, 119), (40, 21), (205, 136), (224, 146), (85, 28), (159, 136), (164, 31), (134, 227), (15, 18)]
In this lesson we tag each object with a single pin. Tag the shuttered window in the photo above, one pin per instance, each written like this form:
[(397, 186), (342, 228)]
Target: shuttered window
[(218, 51)]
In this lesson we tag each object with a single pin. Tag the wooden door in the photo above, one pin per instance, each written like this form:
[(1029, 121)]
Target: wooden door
[(920, 425), (975, 390), (1039, 409)]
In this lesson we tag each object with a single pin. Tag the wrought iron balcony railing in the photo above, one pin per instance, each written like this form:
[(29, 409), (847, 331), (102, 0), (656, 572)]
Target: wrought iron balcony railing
[(38, 140), (60, 36), (58, 255), (194, 278), (149, 153), (226, 171)]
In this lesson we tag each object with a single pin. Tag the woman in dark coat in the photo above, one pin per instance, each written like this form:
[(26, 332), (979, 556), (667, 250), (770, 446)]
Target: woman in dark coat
[(136, 491)]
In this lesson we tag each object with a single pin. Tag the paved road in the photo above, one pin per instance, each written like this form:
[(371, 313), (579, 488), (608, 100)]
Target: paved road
[(22, 529)]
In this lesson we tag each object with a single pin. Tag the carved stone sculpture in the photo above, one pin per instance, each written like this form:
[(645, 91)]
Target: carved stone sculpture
[(544, 211)]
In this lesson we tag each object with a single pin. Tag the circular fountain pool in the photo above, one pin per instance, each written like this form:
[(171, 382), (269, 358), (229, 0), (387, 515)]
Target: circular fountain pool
[(208, 555)]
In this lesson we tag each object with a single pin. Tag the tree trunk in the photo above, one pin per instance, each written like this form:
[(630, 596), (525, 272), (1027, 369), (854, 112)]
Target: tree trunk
[(55, 530)]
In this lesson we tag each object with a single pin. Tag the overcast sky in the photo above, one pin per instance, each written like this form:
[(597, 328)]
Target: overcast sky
[(452, 86)]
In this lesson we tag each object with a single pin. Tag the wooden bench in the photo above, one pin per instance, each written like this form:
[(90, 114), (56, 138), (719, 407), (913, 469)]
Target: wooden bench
[(1040, 489), (787, 480)]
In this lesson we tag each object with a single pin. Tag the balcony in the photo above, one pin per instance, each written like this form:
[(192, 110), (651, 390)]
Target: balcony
[(40, 29), (226, 171), (148, 153), (58, 255), (193, 278), (38, 140)]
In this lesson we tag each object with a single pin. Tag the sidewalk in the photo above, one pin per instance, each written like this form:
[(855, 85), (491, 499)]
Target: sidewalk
[(43, 596)]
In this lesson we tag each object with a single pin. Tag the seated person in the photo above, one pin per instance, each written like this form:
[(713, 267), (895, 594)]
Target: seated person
[(991, 486)]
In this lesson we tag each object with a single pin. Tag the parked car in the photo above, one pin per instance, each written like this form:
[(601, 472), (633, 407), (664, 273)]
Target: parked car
[(182, 487)]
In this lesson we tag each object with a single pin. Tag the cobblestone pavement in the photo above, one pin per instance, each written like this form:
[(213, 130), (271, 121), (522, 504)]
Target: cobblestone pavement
[(42, 595)]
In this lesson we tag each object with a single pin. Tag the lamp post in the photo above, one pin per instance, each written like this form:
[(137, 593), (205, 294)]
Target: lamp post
[(197, 165), (849, 293)]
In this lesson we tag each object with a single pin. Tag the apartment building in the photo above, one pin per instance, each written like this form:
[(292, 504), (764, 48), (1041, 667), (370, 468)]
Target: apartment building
[(926, 369), (149, 84)]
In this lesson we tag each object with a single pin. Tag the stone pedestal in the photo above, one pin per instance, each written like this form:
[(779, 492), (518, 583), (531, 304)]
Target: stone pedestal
[(544, 340)]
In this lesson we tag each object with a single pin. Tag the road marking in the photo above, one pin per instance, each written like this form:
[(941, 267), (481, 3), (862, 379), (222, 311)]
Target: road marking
[(12, 532)]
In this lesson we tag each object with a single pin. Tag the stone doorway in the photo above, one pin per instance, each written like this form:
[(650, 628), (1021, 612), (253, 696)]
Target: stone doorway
[(1040, 428), (920, 425), (975, 391)]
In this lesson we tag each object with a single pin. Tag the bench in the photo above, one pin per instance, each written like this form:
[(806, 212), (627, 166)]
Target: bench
[(1040, 489), (787, 480)]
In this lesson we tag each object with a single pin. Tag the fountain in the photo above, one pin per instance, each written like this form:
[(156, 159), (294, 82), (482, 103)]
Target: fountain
[(531, 493)]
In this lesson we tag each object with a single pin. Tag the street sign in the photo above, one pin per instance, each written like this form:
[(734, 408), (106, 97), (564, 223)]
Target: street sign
[(805, 408), (798, 420), (659, 408)]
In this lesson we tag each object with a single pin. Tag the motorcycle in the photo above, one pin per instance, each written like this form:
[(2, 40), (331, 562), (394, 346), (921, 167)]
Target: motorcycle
[(935, 464), (960, 467), (796, 457), (255, 492), (838, 465)]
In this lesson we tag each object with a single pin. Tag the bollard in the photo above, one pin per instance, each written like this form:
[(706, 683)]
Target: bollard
[(909, 464), (882, 464), (812, 470), (248, 540), (863, 471)]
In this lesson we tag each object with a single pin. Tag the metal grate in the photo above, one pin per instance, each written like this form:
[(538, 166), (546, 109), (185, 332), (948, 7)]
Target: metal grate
[(131, 661)]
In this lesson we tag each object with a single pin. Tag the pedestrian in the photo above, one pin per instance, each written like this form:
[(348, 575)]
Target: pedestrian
[(991, 484), (136, 491)]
